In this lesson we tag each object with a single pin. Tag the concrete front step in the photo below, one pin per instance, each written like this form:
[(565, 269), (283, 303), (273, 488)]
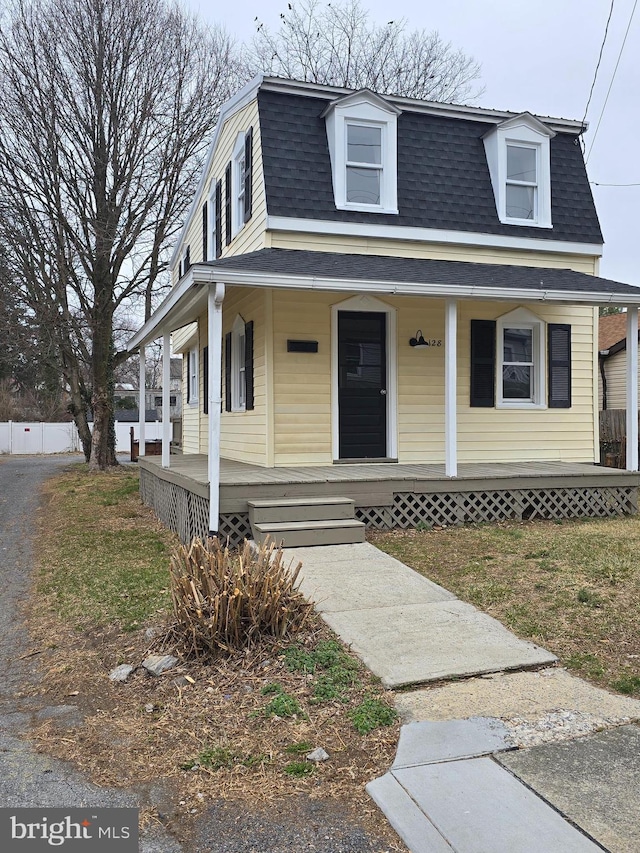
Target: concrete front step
[(300, 509), (296, 534)]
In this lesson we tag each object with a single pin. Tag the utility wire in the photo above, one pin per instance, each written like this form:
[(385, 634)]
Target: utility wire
[(598, 184), (613, 77), (595, 76)]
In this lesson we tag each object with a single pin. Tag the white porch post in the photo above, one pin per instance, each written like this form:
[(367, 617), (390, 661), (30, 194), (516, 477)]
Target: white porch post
[(142, 401), (166, 414), (632, 388), (450, 389), (214, 399)]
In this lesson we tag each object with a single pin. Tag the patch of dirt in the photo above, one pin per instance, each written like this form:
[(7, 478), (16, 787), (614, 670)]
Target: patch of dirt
[(150, 728)]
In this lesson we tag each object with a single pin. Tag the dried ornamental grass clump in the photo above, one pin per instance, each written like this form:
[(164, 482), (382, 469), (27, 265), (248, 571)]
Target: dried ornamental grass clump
[(224, 601)]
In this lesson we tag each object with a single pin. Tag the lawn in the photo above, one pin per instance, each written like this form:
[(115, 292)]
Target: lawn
[(571, 586), (237, 727)]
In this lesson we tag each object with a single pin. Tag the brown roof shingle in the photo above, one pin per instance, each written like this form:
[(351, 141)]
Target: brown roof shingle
[(611, 330)]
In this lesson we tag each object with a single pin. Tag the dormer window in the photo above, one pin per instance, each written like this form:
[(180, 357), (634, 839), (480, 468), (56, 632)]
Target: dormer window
[(521, 201), (362, 137), (518, 156)]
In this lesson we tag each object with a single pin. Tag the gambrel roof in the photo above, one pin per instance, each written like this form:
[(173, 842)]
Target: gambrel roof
[(443, 176)]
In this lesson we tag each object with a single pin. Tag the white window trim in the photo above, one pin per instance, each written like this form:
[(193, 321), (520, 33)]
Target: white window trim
[(237, 185), (364, 108), (193, 377), (523, 319), (528, 132), (238, 369), (211, 236)]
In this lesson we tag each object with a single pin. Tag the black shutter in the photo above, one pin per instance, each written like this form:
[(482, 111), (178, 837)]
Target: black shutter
[(227, 204), (248, 364), (179, 270), (227, 372), (483, 363), (559, 359), (189, 376), (205, 231), (205, 379), (187, 259), (248, 175), (218, 212)]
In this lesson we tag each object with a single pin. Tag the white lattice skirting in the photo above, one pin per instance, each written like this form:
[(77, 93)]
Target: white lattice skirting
[(188, 514)]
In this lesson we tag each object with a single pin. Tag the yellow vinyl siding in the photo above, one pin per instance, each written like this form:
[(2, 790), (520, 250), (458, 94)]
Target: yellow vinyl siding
[(508, 435), (190, 412), (244, 434), (182, 338), (251, 235), (616, 373), (302, 381), (434, 251), (302, 387)]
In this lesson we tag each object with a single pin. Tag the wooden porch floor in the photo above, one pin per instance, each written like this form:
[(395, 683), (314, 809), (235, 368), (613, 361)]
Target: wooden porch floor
[(373, 484)]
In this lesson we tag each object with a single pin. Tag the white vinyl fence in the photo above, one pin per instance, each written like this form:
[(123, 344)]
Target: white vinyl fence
[(28, 438)]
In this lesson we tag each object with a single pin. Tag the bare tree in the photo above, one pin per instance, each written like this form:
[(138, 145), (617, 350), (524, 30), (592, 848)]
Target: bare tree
[(107, 106), (338, 44)]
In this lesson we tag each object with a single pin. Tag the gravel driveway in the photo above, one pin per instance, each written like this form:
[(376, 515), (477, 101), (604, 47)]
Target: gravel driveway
[(30, 779)]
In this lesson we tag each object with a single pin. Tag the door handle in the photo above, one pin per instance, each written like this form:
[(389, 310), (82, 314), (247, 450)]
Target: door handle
[(383, 391)]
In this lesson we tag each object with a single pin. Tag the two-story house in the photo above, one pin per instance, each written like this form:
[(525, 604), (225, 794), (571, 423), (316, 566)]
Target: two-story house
[(387, 306)]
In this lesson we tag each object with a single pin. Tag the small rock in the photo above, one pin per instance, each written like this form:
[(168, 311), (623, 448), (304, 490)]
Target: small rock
[(157, 664), (318, 755), (121, 673), (149, 707), (151, 633), (182, 681)]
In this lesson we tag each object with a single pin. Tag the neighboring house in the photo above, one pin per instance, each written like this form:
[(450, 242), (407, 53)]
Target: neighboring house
[(387, 299), (612, 360), (127, 396)]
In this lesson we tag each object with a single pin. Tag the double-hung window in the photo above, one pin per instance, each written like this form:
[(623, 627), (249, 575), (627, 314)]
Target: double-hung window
[(522, 182), (362, 134), (519, 159), (193, 377), (521, 362), (238, 367), (364, 164)]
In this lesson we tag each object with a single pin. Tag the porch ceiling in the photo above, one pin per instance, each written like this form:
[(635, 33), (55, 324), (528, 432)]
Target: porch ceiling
[(331, 271)]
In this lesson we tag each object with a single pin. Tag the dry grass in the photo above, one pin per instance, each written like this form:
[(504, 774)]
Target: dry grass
[(227, 601), (204, 727), (572, 587)]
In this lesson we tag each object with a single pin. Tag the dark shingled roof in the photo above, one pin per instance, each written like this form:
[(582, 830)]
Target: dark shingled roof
[(443, 177), (332, 265)]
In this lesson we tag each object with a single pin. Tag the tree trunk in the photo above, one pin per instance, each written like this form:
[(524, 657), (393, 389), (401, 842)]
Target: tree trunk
[(103, 444)]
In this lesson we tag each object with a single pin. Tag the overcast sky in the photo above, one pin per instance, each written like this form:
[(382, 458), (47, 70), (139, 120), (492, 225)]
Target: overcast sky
[(539, 57)]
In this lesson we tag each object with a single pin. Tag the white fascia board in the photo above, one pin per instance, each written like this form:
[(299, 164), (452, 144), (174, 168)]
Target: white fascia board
[(402, 288), (430, 235), (154, 327), (235, 103), (298, 87)]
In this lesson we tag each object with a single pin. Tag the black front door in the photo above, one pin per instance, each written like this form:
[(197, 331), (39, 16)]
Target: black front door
[(362, 384)]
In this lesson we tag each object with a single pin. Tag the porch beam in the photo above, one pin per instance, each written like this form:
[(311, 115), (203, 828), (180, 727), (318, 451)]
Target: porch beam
[(450, 388), (632, 388), (166, 415), (142, 408), (215, 298)]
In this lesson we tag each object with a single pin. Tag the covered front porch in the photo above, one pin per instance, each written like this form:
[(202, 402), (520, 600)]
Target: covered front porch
[(387, 495)]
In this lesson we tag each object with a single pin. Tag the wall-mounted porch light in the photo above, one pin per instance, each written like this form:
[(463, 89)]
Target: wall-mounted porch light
[(419, 340)]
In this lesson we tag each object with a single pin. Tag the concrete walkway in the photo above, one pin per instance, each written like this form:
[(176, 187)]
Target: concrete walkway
[(506, 760), (405, 628)]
